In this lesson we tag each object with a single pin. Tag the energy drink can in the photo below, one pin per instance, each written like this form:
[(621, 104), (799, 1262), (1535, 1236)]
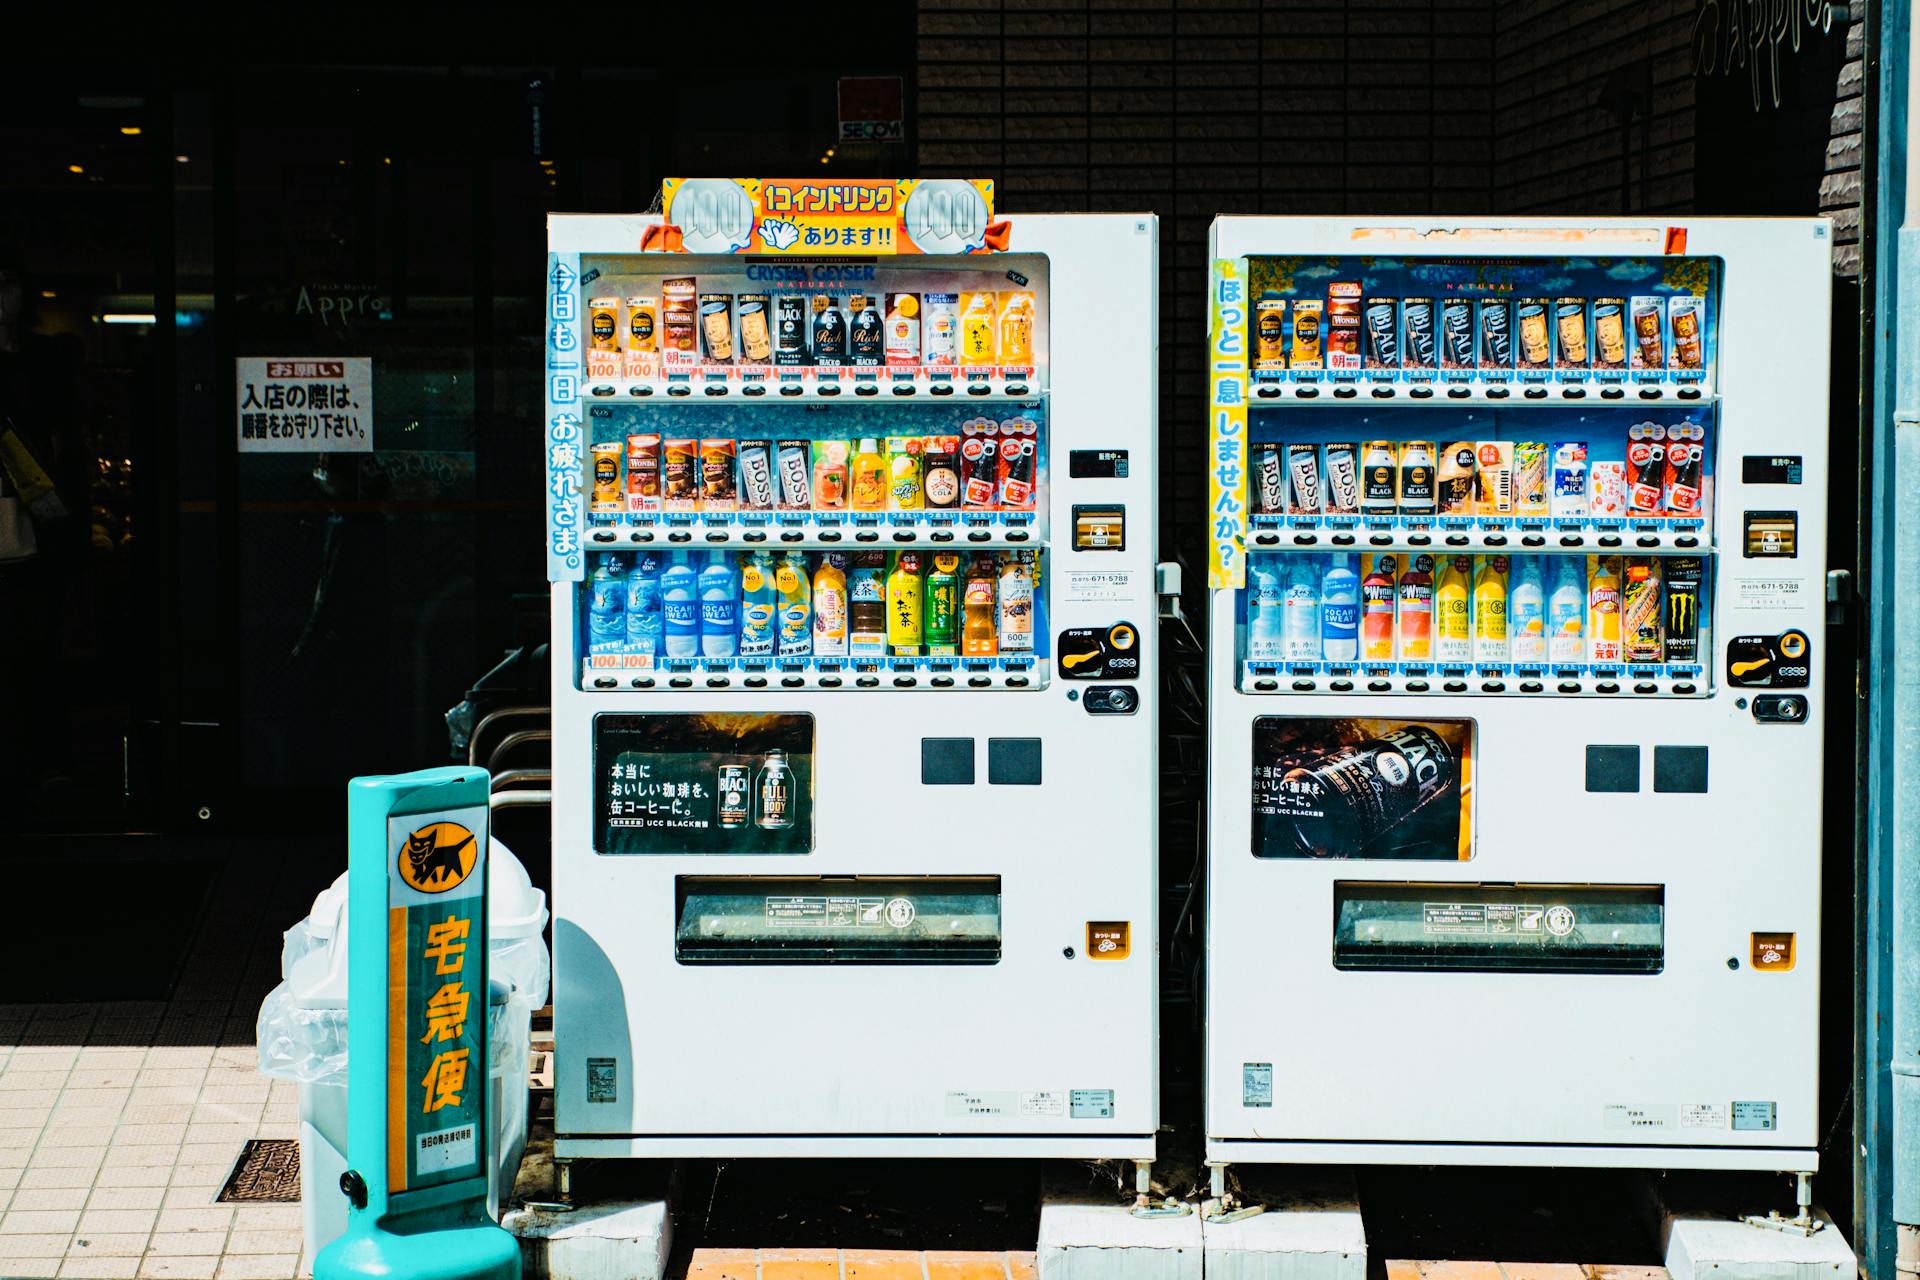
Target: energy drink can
[(1646, 468), (1455, 478), (1456, 334), (603, 324), (1270, 333), (606, 478), (1686, 455), (1343, 479), (1346, 802), (1649, 334), (756, 330), (1570, 327), (1416, 478), (1493, 478), (1530, 481), (1680, 621), (793, 462), (1569, 500), (1382, 318), (718, 488), (1343, 326), (643, 473), (1305, 350), (756, 475), (1609, 333), (716, 327), (790, 329), (1303, 469), (1686, 317), (679, 474), (1269, 480), (1640, 609), (1496, 334), (1380, 490), (1536, 338), (1416, 315)]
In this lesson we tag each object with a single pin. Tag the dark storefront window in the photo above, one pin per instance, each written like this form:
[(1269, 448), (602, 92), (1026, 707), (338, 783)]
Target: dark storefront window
[(224, 637)]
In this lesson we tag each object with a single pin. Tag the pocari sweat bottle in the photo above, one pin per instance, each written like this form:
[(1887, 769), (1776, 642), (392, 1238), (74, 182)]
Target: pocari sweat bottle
[(1340, 610), (1266, 598), (680, 607), (719, 607)]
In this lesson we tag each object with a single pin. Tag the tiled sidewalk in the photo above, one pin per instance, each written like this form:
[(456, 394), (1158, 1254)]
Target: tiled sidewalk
[(119, 1123)]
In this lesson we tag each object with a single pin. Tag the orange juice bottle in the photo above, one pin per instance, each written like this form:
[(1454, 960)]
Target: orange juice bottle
[(869, 477)]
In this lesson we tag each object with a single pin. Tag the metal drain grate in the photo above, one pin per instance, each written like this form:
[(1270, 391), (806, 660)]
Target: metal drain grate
[(267, 1172)]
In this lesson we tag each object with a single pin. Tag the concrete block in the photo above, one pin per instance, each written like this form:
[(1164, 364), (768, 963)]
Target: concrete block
[(1311, 1229), (1088, 1233), (1698, 1246), (619, 1240)]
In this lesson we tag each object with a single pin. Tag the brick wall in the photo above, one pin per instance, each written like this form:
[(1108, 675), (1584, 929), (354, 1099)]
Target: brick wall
[(1191, 110), (1593, 106), (1840, 190)]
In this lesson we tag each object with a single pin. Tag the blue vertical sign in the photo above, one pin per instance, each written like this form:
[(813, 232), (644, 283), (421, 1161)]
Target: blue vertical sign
[(566, 441)]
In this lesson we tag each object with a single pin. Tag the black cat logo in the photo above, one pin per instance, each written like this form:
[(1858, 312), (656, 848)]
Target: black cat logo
[(437, 857)]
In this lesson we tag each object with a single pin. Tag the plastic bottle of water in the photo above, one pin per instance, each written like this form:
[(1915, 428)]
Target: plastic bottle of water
[(720, 607), (1266, 598), (1340, 610), (1567, 611), (1300, 623), (607, 605), (643, 604), (1527, 611), (680, 607)]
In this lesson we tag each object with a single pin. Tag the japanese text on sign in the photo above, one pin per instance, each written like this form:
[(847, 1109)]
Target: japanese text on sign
[(436, 977), (565, 443), (1227, 424), (288, 405)]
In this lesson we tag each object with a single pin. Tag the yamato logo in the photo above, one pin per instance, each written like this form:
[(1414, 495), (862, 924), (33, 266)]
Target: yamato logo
[(437, 857)]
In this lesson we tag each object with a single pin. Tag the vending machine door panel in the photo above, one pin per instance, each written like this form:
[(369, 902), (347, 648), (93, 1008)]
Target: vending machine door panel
[(1557, 937), (940, 938)]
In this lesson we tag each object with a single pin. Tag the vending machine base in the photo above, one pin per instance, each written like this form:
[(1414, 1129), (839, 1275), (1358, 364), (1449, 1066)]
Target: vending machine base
[(1757, 1159)]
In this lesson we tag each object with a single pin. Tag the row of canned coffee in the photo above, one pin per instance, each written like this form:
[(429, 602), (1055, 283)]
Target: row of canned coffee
[(1346, 332)]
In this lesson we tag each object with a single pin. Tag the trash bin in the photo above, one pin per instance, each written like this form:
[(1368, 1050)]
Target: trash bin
[(302, 1034)]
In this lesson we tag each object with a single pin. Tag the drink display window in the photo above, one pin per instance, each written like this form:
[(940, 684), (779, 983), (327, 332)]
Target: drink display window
[(1486, 476), (830, 475)]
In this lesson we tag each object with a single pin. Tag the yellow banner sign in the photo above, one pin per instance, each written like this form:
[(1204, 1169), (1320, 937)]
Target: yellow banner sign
[(801, 216), (1227, 424)]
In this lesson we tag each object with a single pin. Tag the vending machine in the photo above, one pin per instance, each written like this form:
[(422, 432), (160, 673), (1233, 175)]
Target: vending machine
[(1518, 569), (851, 530)]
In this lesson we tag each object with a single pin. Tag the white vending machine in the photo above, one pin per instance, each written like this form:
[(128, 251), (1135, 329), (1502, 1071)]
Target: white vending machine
[(1515, 746), (852, 539)]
